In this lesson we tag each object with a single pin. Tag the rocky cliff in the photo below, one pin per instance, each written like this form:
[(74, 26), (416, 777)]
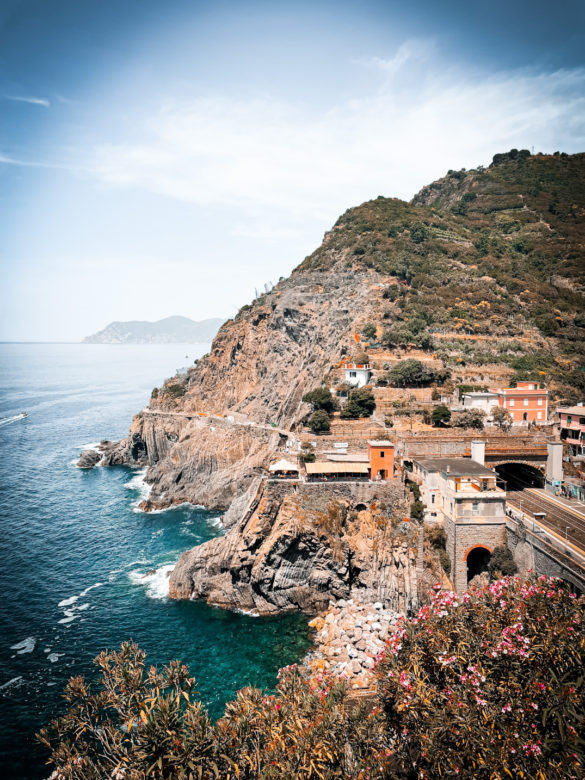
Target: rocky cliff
[(298, 549)]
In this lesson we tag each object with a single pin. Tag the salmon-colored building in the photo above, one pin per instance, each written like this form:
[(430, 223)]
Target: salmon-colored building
[(381, 457), (527, 402)]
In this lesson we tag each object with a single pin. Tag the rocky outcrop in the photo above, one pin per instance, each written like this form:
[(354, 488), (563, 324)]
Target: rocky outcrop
[(88, 459), (297, 551)]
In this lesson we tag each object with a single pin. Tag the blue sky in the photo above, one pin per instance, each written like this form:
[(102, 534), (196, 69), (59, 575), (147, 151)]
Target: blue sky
[(167, 158)]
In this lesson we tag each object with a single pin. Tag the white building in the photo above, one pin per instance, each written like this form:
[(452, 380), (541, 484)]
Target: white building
[(358, 374), (484, 401)]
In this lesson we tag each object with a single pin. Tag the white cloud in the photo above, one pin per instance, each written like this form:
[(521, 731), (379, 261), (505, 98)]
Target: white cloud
[(269, 154), (34, 101)]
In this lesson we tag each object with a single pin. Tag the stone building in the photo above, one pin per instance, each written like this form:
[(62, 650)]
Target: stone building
[(463, 495)]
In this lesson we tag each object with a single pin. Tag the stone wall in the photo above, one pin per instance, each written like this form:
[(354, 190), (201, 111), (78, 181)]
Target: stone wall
[(462, 537), (391, 491)]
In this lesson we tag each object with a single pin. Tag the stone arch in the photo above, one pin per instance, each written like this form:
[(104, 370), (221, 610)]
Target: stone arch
[(477, 559)]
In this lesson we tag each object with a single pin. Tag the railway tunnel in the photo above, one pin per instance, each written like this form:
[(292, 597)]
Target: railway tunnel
[(518, 476)]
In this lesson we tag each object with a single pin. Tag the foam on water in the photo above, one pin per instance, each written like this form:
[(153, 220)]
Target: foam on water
[(156, 581), (138, 483), (72, 599), (26, 646), (14, 418), (54, 657), (10, 683)]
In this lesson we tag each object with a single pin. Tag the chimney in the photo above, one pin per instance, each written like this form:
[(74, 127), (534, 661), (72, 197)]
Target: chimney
[(478, 452), (448, 468)]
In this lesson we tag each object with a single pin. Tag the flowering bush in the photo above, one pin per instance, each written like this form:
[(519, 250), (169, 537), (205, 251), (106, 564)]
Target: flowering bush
[(488, 684), (485, 685), (140, 724)]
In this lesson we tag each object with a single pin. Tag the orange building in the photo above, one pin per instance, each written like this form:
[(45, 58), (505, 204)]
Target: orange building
[(527, 402), (381, 457)]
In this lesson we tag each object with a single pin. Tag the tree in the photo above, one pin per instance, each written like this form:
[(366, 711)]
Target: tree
[(471, 418), (361, 403), (489, 684), (321, 398), (440, 416), (410, 373), (319, 421), (502, 418)]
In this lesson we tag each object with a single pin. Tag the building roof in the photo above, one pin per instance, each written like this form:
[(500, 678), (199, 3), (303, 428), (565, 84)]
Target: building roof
[(327, 467), (352, 457), (284, 465), (580, 410), (456, 467), (380, 443), (519, 391), (480, 394)]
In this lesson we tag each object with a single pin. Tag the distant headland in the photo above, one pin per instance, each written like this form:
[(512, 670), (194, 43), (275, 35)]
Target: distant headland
[(170, 330)]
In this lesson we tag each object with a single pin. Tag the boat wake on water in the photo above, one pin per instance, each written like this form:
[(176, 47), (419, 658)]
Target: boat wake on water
[(14, 418)]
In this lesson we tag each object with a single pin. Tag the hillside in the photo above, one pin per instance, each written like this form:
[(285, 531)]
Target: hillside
[(171, 330), (484, 269)]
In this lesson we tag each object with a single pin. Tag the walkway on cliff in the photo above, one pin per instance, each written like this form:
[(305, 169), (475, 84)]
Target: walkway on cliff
[(224, 419)]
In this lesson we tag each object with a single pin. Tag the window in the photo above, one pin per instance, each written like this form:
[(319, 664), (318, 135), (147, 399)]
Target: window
[(530, 387), (539, 415), (382, 453), (581, 420), (540, 401), (569, 419), (475, 507), (511, 402), (526, 402), (352, 374), (433, 498)]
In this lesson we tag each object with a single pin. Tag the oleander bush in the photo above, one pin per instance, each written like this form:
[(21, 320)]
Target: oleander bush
[(489, 685)]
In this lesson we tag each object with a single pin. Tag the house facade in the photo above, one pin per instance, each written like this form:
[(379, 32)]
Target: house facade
[(381, 459), (358, 374), (526, 403), (484, 401), (572, 426)]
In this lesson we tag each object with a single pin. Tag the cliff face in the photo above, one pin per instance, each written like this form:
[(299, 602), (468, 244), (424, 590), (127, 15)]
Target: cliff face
[(208, 433), (299, 550)]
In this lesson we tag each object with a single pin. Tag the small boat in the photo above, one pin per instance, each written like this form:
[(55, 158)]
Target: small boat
[(23, 414)]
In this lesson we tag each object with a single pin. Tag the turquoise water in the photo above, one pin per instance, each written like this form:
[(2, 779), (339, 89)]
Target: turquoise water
[(74, 548)]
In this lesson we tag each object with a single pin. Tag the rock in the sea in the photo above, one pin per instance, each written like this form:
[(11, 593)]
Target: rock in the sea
[(88, 459)]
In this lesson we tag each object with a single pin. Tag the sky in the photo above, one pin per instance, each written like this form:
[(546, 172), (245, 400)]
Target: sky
[(161, 158)]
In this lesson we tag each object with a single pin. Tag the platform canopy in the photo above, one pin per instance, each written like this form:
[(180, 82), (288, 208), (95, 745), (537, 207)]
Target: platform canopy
[(284, 465)]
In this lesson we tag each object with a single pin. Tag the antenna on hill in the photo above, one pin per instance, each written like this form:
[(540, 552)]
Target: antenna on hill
[(533, 150)]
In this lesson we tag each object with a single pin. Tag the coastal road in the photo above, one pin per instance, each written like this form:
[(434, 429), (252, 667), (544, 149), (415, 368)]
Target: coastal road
[(566, 522), (217, 418)]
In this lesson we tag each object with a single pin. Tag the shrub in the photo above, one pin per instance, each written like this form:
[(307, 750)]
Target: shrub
[(361, 403), (488, 685), (436, 536), (473, 418), (176, 390), (319, 422), (441, 415), (502, 563), (369, 330), (410, 373), (142, 724), (445, 561), (154, 393), (417, 510), (321, 398)]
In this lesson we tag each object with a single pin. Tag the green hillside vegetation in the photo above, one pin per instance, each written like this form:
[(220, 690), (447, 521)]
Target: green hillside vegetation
[(495, 252)]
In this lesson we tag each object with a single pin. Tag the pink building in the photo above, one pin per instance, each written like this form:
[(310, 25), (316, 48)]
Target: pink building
[(527, 402), (572, 424)]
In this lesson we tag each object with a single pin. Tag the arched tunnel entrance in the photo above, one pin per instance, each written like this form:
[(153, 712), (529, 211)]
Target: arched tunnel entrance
[(518, 476), (478, 559)]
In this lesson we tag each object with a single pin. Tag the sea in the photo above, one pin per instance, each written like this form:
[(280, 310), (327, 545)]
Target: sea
[(82, 569)]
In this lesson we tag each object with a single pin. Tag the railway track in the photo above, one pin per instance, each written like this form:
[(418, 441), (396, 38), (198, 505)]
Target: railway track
[(565, 522)]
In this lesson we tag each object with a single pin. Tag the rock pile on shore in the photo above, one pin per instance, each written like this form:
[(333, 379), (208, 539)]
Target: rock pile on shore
[(349, 637)]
